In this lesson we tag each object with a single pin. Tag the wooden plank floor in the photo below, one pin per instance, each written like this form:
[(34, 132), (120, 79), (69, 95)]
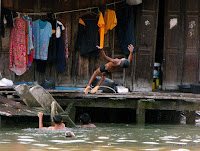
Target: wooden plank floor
[(139, 101), (79, 94), (9, 107)]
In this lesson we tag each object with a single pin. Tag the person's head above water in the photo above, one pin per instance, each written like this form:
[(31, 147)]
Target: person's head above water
[(125, 63), (85, 118), (57, 119)]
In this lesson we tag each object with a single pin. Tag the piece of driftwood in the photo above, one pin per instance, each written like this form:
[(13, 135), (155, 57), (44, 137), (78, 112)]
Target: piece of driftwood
[(44, 98), (9, 107), (23, 92), (64, 114), (49, 103)]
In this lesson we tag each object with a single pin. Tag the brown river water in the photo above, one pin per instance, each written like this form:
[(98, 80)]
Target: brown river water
[(106, 137)]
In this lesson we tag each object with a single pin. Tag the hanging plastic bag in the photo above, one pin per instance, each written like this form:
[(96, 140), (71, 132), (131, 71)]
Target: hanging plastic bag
[(133, 2)]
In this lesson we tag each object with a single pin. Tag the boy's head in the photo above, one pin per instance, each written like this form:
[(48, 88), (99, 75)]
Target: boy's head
[(69, 134), (85, 118), (125, 63), (57, 118)]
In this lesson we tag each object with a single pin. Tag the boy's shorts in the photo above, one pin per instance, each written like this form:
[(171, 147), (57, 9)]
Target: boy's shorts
[(103, 69)]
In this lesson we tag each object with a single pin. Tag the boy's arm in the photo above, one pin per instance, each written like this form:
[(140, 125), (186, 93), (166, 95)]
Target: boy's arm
[(104, 55), (130, 48), (40, 115)]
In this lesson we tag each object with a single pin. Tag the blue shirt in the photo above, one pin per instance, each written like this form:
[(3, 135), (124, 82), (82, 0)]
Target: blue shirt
[(42, 31), (30, 34)]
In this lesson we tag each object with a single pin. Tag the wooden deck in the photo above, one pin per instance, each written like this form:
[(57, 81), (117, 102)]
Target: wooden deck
[(9, 107), (140, 101)]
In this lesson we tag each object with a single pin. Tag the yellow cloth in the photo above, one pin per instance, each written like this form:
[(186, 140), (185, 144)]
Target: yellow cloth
[(81, 21), (110, 20), (107, 23), (101, 25)]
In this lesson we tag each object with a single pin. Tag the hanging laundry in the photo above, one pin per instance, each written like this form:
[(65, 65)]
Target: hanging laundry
[(59, 29), (41, 64), (42, 31), (52, 43), (125, 28), (66, 42), (107, 23), (61, 62), (88, 36), (30, 40), (18, 47), (110, 20), (7, 17), (30, 33), (101, 25)]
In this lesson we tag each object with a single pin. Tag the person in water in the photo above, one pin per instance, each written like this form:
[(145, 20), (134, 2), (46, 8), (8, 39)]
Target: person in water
[(58, 124), (57, 121), (111, 66), (86, 121)]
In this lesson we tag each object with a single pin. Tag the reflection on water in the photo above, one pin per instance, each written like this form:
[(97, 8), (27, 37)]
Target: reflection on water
[(105, 137)]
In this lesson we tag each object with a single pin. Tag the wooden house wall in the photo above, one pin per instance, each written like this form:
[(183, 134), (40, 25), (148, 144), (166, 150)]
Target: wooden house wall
[(79, 69), (147, 20), (181, 48)]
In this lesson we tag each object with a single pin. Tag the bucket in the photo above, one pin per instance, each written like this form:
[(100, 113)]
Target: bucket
[(156, 70)]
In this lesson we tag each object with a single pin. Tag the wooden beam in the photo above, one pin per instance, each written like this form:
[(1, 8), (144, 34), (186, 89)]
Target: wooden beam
[(190, 117), (71, 110), (0, 31), (37, 6), (140, 112)]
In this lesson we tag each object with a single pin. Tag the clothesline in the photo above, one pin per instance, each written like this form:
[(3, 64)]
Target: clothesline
[(71, 11)]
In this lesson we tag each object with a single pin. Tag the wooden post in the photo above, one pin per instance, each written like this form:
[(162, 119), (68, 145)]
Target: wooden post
[(190, 117), (37, 6), (71, 110), (0, 31), (140, 112), (75, 57)]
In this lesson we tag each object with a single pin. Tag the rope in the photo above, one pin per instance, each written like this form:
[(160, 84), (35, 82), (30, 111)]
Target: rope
[(107, 87)]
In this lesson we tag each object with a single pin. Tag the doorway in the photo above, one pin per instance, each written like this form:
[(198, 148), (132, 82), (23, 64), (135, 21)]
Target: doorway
[(157, 73)]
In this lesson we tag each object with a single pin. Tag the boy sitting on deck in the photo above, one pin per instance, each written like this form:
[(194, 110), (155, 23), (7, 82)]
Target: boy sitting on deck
[(108, 68), (85, 120)]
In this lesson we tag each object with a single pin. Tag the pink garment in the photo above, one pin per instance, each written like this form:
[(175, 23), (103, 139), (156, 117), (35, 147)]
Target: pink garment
[(66, 42), (18, 48)]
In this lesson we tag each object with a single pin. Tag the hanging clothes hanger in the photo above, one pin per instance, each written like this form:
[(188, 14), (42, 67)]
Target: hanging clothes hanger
[(43, 17), (93, 13), (89, 12), (123, 5)]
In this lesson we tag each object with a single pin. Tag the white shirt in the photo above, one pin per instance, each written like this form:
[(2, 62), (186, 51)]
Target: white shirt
[(58, 30)]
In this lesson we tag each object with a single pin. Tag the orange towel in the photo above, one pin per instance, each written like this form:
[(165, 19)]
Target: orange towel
[(101, 25), (110, 20)]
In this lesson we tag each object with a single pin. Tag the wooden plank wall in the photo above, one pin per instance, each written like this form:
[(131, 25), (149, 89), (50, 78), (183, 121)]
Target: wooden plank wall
[(181, 52), (79, 69)]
